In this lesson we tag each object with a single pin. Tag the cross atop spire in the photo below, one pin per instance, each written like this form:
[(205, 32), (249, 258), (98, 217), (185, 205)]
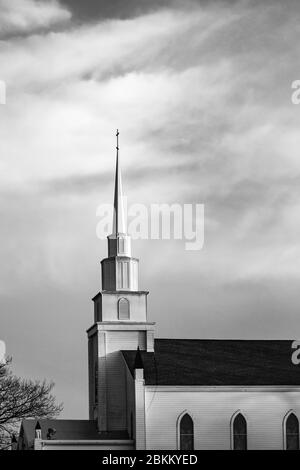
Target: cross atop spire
[(117, 135)]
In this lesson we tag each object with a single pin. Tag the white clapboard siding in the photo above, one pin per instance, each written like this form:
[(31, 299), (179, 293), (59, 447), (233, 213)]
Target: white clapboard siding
[(212, 412)]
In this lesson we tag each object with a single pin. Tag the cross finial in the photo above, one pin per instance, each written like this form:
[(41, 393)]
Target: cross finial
[(117, 135)]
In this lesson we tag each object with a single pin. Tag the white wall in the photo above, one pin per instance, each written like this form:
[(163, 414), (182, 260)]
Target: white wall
[(137, 302), (212, 412)]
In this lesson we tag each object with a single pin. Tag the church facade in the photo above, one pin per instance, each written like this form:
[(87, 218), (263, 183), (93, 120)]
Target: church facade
[(180, 394)]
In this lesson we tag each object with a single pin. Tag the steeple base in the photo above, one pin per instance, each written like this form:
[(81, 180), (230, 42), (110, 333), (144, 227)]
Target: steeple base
[(108, 371)]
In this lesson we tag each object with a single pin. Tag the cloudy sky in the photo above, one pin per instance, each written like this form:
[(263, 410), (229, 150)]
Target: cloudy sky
[(201, 93)]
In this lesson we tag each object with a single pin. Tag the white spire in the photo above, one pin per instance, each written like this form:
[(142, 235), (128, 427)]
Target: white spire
[(119, 242), (119, 223)]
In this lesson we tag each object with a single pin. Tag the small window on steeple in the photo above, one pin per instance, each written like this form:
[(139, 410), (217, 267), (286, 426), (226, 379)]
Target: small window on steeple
[(123, 309)]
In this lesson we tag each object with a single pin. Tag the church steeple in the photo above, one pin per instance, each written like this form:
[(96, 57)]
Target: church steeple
[(120, 323), (119, 243), (119, 223), (119, 269)]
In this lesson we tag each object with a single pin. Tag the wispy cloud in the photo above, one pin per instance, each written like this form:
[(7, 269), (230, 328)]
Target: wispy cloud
[(202, 98), (23, 16)]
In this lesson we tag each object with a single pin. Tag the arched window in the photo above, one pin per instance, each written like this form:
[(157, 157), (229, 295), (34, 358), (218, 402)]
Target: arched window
[(239, 430), (96, 384), (186, 431), (123, 309), (292, 432), (131, 426)]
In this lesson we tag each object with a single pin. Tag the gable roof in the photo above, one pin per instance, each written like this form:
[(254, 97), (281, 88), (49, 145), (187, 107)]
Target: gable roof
[(68, 429), (217, 362)]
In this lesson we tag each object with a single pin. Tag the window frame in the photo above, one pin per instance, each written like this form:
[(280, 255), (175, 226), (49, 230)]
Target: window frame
[(96, 384), (232, 434), (179, 419), (288, 414), (128, 305)]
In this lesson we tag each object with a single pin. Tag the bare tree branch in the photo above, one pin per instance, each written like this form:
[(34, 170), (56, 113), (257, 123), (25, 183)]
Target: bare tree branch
[(22, 398)]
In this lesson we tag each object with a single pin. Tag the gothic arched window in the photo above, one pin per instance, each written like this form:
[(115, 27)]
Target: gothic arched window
[(131, 426), (239, 429), (96, 384), (292, 432), (186, 431), (123, 309)]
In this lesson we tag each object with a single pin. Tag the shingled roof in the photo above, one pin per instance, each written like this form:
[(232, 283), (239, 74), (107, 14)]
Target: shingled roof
[(218, 362), (68, 429)]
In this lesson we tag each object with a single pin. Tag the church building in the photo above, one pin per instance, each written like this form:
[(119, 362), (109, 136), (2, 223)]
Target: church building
[(182, 394)]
